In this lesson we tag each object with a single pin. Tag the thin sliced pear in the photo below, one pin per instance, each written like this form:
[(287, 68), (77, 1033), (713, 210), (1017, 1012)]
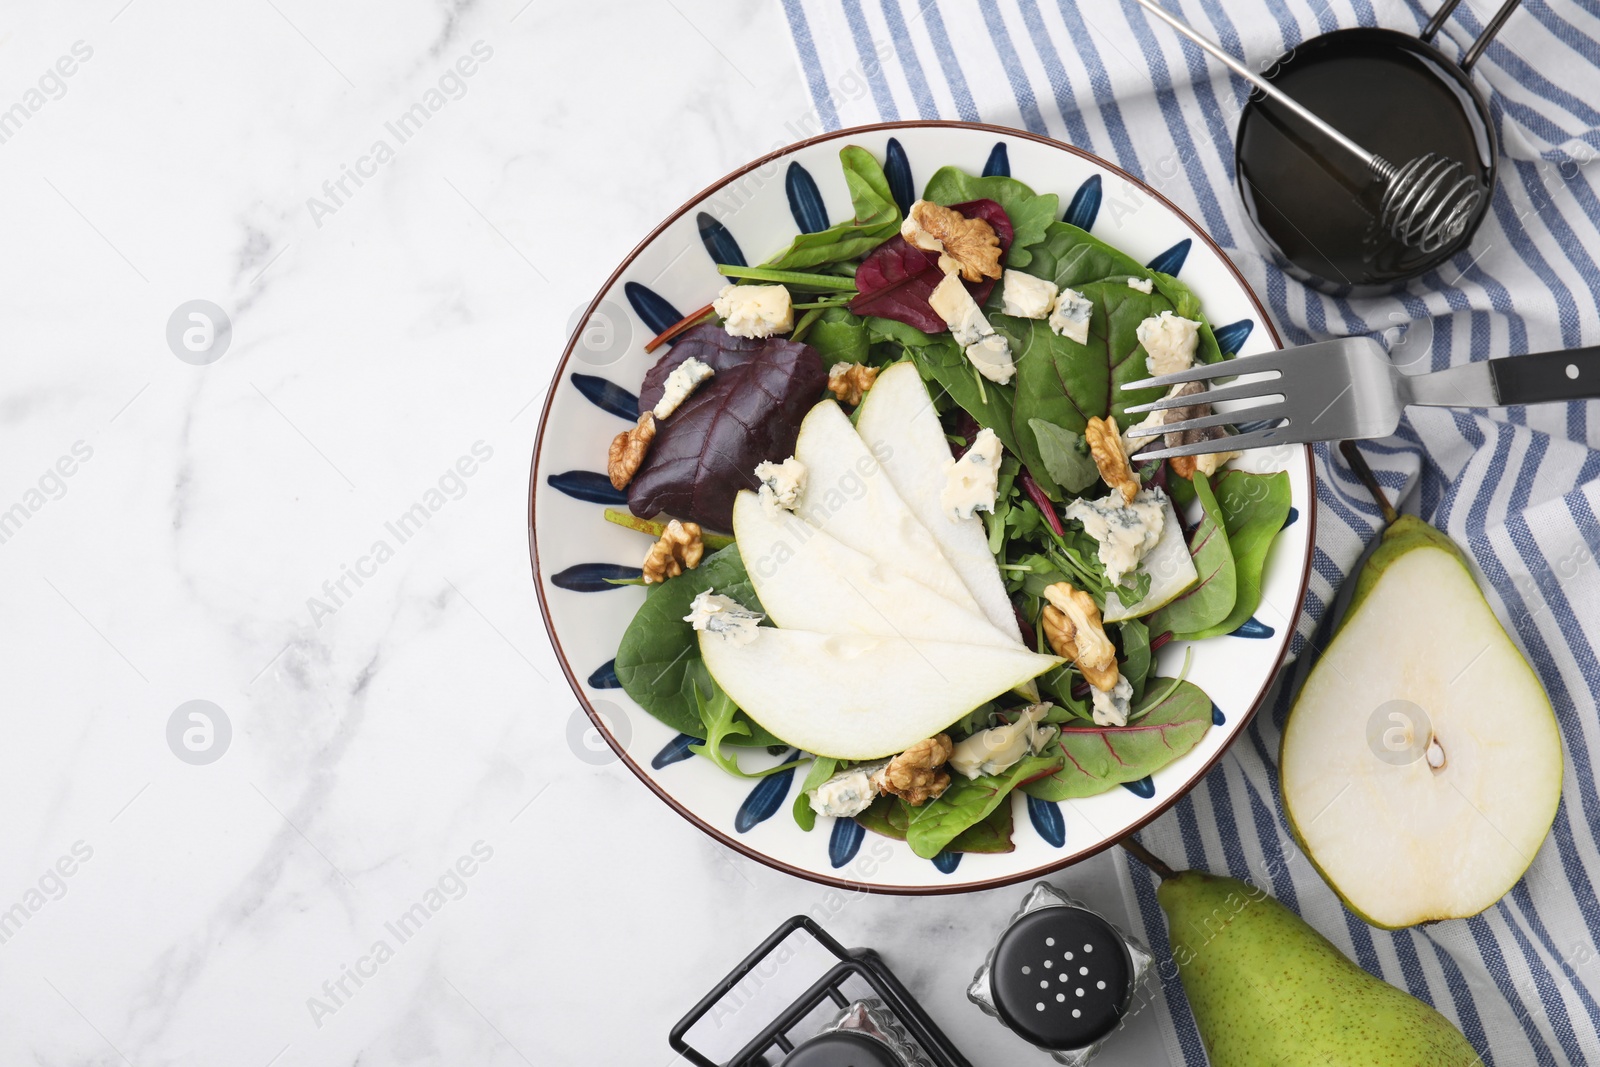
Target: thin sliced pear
[(855, 697), (1171, 571), (807, 580), (899, 425), (1421, 763), (848, 494)]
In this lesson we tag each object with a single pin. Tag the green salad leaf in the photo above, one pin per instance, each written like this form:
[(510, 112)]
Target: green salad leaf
[(1092, 759), (968, 802), (1136, 658), (1210, 601), (658, 662), (840, 337), (1030, 213), (1065, 456), (891, 817), (1254, 507), (940, 360), (723, 723), (877, 218), (822, 768)]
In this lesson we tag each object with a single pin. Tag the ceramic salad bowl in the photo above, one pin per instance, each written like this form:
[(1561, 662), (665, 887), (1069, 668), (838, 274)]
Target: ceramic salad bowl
[(578, 557)]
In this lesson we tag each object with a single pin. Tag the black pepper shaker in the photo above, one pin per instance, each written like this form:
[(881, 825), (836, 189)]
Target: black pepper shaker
[(1061, 977)]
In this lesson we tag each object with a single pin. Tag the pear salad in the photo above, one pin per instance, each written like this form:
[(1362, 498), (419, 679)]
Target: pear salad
[(948, 573)]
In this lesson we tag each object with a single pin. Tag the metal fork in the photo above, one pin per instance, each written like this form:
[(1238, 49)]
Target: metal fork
[(1348, 389)]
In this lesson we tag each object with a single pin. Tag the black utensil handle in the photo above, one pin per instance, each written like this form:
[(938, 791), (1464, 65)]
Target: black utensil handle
[(1547, 376)]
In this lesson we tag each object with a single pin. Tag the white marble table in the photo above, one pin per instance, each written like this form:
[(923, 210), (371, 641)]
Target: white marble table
[(177, 530)]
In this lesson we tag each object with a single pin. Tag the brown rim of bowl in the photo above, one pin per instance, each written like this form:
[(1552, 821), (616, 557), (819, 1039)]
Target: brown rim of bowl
[(1157, 809)]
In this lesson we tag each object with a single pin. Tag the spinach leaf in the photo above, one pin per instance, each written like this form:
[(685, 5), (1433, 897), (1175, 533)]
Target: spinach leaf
[(968, 802), (1211, 599), (1065, 456), (722, 723), (840, 337), (940, 360), (1093, 758), (659, 662), (1254, 507), (891, 816), (822, 768), (877, 218), (1030, 214)]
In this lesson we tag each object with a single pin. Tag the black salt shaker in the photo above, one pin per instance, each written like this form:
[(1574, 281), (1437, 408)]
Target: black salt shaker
[(1061, 977)]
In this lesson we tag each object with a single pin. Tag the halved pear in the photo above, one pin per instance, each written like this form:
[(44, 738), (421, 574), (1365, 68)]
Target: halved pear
[(899, 425), (848, 494), (1421, 763), (807, 580), (1171, 571), (856, 697)]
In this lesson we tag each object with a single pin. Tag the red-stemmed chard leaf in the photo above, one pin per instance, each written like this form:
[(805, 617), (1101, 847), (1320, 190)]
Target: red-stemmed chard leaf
[(749, 411), (897, 278)]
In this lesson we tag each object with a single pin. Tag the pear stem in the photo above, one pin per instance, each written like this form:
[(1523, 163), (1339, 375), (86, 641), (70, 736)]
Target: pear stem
[(1358, 464), (1144, 856)]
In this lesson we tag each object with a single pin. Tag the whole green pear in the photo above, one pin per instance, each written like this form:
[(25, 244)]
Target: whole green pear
[(1267, 990)]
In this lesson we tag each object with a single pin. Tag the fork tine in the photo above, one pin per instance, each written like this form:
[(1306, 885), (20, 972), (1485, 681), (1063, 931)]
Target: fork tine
[(1267, 361), (1269, 412), (1237, 391), (1276, 435)]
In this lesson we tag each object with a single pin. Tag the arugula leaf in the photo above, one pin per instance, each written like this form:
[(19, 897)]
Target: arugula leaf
[(1135, 587), (1065, 456), (658, 662), (1210, 601), (1254, 507), (720, 716), (877, 218), (968, 802), (822, 768), (1096, 758), (1031, 214)]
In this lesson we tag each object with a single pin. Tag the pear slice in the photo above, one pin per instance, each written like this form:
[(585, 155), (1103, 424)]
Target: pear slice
[(807, 580), (1171, 569), (899, 425), (1421, 763), (848, 494), (851, 696)]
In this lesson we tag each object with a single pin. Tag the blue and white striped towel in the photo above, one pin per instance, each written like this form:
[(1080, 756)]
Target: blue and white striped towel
[(1518, 489)]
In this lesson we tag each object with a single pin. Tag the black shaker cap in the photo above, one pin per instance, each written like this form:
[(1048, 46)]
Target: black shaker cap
[(1061, 977), (842, 1049)]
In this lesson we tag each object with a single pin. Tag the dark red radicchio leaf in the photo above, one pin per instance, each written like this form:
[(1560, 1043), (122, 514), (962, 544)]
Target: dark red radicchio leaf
[(896, 278), (749, 411)]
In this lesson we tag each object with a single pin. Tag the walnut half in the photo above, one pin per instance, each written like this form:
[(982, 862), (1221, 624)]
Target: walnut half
[(678, 550), (849, 382), (628, 450), (915, 774), (1105, 445), (1072, 626), (969, 246)]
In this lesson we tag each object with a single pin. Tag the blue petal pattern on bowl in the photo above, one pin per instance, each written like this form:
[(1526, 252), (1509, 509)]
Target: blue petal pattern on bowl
[(897, 168), (999, 163), (676, 751), (763, 800), (805, 200), (651, 307), (1144, 787), (589, 487), (1231, 338), (1085, 206), (1217, 718), (947, 861), (720, 245), (1294, 513), (1046, 818), (1171, 261), (607, 396), (845, 841), (605, 676), (1253, 627), (594, 577)]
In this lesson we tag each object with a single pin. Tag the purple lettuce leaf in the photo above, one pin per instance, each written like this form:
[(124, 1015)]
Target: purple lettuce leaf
[(897, 278), (750, 411)]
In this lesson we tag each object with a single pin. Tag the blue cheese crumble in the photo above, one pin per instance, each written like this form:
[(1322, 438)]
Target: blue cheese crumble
[(1144, 285), (718, 614), (1027, 297), (781, 484), (754, 310), (850, 792), (1070, 318), (999, 748), (1111, 708), (684, 380), (1125, 532), (972, 481), (1169, 341)]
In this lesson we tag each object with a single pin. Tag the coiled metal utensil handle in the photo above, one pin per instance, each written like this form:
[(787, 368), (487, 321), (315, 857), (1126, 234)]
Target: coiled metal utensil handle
[(1426, 204)]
